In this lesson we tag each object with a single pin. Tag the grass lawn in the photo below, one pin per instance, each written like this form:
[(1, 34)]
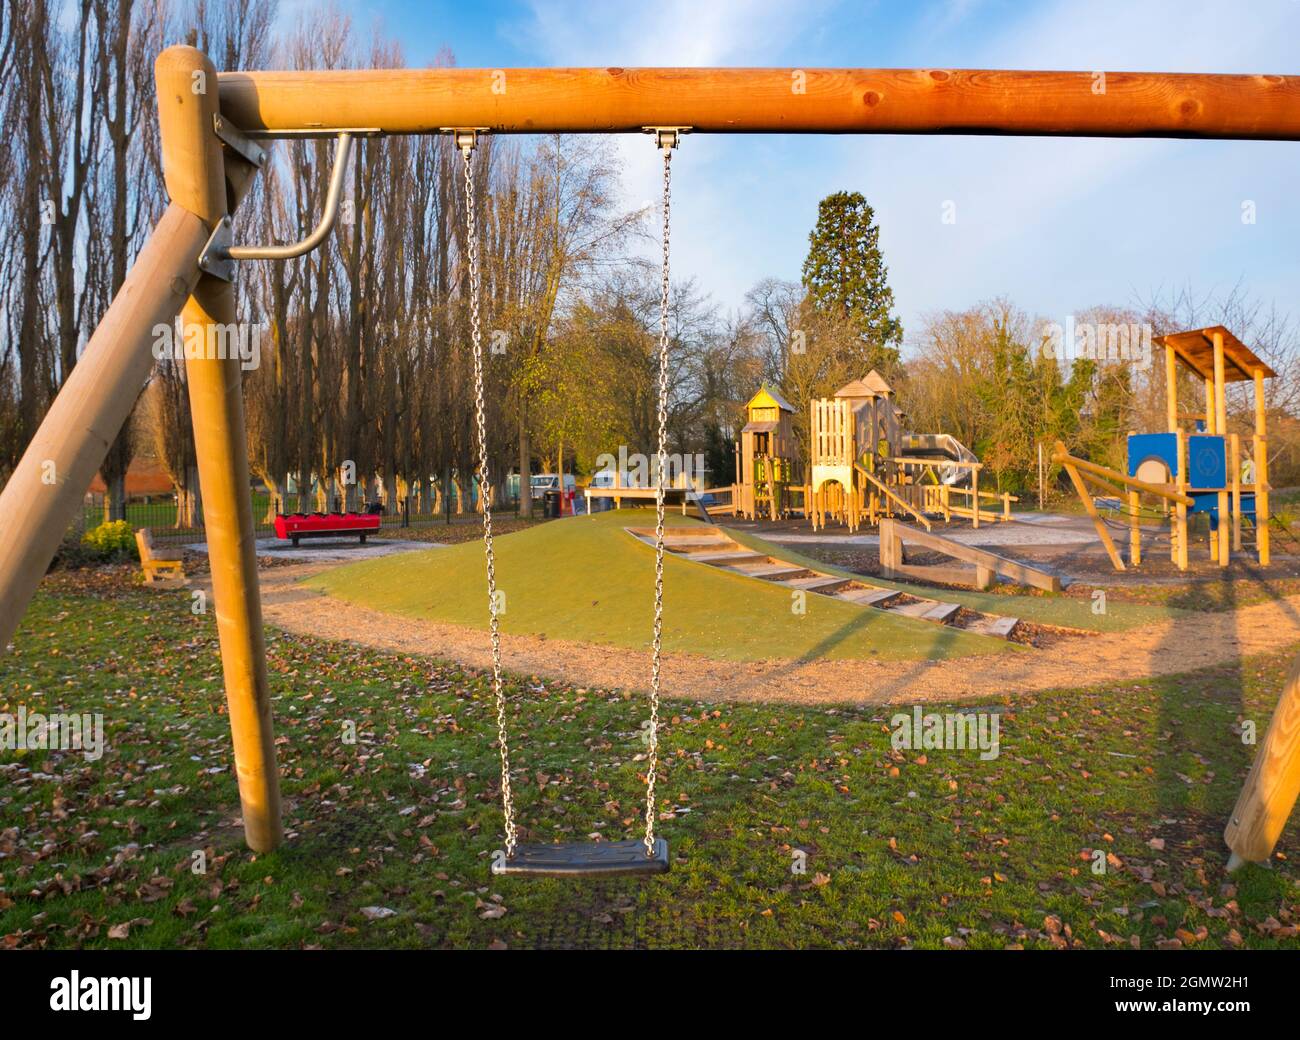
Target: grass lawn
[(586, 579), (392, 835)]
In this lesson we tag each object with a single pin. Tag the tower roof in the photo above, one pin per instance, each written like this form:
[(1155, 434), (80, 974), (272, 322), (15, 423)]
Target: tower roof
[(768, 398), (871, 385), (1196, 350)]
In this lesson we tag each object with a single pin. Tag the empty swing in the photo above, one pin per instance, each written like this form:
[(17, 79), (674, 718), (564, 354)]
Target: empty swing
[(636, 857)]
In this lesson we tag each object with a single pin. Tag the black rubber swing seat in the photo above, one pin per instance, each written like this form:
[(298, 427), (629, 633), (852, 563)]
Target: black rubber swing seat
[(588, 859)]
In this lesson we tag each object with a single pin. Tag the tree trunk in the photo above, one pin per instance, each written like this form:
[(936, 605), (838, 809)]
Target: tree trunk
[(525, 464)]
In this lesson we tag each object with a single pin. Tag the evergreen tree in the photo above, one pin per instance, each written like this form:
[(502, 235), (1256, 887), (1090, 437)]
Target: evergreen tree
[(845, 276)]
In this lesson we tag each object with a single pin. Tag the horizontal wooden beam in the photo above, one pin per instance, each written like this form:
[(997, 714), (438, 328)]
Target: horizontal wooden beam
[(781, 100), (1023, 573), (1062, 458)]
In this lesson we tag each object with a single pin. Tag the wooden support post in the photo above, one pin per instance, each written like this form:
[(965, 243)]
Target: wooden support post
[(194, 171), (1221, 428), (1269, 793), (1261, 471), (1180, 513), (975, 497), (1134, 528), (45, 492), (1234, 460), (1171, 388)]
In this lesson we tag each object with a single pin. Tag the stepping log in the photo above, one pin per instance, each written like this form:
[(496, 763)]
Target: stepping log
[(990, 625)]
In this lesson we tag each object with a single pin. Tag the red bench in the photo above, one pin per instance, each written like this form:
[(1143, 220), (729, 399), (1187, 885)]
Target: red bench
[(325, 525)]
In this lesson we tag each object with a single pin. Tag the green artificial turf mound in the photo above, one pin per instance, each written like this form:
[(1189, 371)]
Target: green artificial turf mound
[(586, 579)]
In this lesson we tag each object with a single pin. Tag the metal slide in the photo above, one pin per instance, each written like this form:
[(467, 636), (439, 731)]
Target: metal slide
[(938, 447)]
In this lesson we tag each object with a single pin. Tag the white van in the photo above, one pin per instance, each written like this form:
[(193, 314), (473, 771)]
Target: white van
[(540, 483)]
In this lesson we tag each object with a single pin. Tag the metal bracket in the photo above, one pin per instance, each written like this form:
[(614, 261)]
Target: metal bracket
[(667, 136), (215, 258), (238, 140), (219, 254), (466, 137)]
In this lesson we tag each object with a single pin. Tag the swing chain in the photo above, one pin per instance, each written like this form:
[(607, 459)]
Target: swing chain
[(666, 144), (466, 144)]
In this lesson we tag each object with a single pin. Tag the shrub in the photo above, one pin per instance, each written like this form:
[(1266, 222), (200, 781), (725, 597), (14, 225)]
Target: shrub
[(112, 540)]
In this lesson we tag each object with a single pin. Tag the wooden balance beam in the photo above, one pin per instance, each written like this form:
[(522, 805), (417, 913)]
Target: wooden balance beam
[(894, 535)]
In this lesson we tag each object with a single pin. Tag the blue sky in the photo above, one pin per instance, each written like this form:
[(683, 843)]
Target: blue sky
[(1056, 225)]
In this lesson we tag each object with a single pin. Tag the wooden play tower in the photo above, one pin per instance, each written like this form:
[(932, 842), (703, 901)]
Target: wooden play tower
[(1197, 465), (765, 458)]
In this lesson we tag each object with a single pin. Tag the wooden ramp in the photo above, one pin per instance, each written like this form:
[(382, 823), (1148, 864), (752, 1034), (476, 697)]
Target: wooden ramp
[(988, 566), (713, 547)]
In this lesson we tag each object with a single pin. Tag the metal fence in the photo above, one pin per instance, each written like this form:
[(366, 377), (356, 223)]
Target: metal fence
[(159, 514)]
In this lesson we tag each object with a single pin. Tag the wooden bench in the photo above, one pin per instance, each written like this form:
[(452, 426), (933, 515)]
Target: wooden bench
[(158, 563)]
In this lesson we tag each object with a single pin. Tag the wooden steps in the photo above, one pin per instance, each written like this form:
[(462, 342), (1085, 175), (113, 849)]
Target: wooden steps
[(724, 557), (718, 549), (816, 583), (927, 610), (998, 627), (871, 597), (679, 542), (770, 571)]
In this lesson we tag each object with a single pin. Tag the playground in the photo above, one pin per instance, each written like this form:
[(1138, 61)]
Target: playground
[(872, 674)]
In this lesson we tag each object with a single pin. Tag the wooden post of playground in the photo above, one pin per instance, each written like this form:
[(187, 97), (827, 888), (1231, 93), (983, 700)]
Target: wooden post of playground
[(1221, 428), (975, 496), (1234, 460), (1180, 514), (1134, 528), (1171, 388), (194, 172), (1261, 471), (45, 492), (1171, 420), (1270, 791)]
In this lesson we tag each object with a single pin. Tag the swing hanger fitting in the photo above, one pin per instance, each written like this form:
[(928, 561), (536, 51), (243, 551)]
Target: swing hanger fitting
[(466, 137), (219, 255), (667, 136)]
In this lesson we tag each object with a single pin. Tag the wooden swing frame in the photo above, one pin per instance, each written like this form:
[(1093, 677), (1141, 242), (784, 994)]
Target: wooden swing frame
[(209, 122)]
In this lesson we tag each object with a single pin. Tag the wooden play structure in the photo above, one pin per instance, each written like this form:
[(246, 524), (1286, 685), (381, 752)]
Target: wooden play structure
[(210, 124), (982, 570), (766, 459), (1202, 470), (862, 467)]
